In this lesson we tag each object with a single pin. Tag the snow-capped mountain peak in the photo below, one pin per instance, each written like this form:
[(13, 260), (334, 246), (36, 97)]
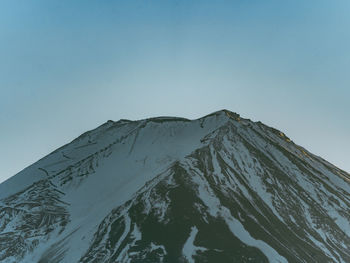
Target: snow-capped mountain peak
[(220, 188)]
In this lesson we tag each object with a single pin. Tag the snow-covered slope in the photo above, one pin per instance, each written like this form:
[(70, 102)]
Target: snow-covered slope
[(216, 189)]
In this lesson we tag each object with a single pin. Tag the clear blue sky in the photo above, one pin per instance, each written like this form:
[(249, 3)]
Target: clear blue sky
[(68, 66)]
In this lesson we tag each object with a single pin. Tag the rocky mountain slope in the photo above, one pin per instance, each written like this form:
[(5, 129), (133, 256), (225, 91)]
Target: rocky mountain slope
[(217, 189)]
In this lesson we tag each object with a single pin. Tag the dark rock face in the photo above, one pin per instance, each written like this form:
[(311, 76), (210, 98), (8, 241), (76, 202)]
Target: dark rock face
[(241, 192)]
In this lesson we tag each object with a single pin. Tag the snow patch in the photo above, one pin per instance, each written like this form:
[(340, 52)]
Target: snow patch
[(189, 250)]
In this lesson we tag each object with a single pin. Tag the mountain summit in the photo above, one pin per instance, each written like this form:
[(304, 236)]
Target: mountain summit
[(220, 188)]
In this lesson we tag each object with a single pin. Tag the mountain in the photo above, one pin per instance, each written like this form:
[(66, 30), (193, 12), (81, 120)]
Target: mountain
[(216, 189)]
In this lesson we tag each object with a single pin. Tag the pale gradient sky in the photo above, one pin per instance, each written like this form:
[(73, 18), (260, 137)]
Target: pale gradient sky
[(69, 66)]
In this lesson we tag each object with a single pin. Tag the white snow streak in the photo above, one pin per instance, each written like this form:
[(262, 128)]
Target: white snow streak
[(189, 249)]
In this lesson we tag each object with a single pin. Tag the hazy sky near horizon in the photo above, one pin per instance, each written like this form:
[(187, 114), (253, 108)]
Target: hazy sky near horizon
[(69, 66)]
